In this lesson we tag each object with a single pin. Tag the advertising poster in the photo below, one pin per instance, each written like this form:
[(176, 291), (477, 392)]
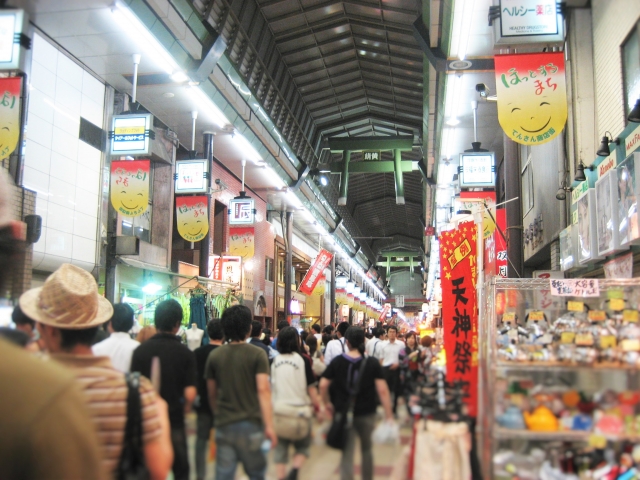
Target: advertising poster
[(321, 286), (192, 218), (628, 230), (242, 242), (585, 243), (458, 272), (130, 186), (9, 115), (606, 215), (532, 96)]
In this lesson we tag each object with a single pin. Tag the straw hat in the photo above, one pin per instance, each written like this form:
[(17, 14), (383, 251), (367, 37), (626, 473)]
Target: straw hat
[(68, 299)]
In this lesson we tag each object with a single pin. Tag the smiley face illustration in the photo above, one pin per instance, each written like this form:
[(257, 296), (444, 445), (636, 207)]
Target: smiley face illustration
[(191, 218), (130, 187), (241, 242), (9, 116), (532, 98)]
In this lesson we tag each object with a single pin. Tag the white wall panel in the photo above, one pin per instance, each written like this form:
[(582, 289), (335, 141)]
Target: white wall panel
[(64, 170), (612, 22)]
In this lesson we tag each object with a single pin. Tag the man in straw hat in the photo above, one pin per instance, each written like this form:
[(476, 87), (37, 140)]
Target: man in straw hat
[(45, 428), (69, 310)]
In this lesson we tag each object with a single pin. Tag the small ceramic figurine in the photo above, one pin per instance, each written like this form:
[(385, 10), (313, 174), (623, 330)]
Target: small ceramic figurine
[(511, 418), (541, 420)]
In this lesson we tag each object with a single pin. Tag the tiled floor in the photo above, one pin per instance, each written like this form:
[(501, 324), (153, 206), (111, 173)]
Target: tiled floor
[(323, 463)]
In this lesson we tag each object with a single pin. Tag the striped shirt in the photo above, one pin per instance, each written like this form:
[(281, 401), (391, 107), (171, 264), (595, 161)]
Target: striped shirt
[(106, 391)]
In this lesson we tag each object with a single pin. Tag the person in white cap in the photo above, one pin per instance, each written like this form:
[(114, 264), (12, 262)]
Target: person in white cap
[(69, 310), (45, 428)]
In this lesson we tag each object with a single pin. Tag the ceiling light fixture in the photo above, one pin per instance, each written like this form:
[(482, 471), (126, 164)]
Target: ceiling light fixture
[(580, 175), (179, 76), (466, 10), (453, 121), (634, 114)]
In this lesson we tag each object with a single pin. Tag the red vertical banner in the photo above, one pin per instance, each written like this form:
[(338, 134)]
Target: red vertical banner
[(458, 273), (501, 244), (314, 274)]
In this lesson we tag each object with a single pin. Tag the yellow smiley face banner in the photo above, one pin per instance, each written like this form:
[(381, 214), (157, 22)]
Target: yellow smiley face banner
[(130, 186), (532, 96), (192, 217), (241, 242), (9, 115)]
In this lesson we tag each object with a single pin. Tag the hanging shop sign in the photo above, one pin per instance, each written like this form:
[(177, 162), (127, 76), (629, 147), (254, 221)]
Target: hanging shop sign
[(130, 186), (344, 310), (459, 308), (532, 96), (321, 286), (386, 310), (341, 296), (477, 169), (192, 218), (242, 242), (13, 24), (632, 142), (192, 176), (527, 21), (131, 134), (484, 201), (314, 273), (621, 267), (242, 211), (227, 269), (10, 89)]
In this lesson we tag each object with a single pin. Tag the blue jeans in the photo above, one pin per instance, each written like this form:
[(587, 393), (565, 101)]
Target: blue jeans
[(240, 442)]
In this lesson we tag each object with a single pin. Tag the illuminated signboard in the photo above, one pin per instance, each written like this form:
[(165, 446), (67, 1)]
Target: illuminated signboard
[(528, 21), (476, 169), (131, 134), (12, 25), (241, 211), (191, 176)]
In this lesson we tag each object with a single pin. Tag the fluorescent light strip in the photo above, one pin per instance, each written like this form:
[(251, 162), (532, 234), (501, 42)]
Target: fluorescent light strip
[(203, 103), (465, 27)]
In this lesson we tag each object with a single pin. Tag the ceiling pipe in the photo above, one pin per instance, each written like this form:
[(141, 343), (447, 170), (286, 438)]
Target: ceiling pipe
[(136, 63)]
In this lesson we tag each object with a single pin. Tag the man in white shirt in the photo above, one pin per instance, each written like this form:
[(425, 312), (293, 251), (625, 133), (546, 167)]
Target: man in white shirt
[(335, 348), (119, 346), (374, 346), (390, 360)]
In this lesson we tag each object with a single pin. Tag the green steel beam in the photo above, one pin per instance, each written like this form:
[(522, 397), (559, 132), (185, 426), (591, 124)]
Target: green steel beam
[(371, 143), (389, 264), (385, 166), (397, 169), (344, 177), (400, 253)]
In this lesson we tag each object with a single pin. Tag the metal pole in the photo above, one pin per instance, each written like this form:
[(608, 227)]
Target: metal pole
[(288, 262), (332, 296), (514, 209), (136, 62), (205, 242), (194, 117)]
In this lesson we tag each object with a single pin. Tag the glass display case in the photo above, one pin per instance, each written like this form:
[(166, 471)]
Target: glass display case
[(559, 381)]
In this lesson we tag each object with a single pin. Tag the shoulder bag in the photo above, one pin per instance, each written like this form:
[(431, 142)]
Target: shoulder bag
[(132, 464), (318, 365), (343, 421)]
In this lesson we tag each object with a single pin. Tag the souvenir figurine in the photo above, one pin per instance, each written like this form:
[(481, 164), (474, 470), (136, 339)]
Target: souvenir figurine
[(541, 420)]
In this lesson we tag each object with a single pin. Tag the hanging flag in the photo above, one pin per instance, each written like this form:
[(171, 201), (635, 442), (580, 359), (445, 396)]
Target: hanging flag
[(192, 217), (532, 96), (321, 286), (130, 186), (313, 275), (242, 242), (459, 308), (9, 115)]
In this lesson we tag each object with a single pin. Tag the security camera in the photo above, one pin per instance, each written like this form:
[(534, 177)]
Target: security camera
[(218, 181), (482, 89)]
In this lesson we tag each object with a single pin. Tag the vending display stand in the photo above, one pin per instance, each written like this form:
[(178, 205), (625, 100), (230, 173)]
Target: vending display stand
[(559, 385)]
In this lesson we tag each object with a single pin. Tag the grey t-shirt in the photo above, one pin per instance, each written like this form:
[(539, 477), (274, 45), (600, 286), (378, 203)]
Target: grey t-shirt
[(234, 368)]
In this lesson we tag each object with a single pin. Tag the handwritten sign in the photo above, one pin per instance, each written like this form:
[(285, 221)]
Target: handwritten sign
[(574, 287)]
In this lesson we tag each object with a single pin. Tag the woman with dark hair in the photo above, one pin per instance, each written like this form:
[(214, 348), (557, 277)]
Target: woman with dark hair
[(342, 375), (294, 400), (317, 359), (410, 366)]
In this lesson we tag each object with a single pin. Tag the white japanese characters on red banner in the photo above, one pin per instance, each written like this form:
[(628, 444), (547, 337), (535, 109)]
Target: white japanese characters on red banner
[(575, 287), (315, 272)]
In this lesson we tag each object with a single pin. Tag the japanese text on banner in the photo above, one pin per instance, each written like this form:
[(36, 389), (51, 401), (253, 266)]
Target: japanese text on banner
[(459, 308), (575, 287), (315, 272)]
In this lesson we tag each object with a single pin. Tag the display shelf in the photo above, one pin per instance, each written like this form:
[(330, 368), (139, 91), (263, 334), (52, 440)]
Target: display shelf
[(558, 366), (500, 433)]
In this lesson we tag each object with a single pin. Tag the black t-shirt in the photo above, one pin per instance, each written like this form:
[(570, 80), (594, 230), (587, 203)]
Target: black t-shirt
[(258, 343), (202, 353), (343, 372), (177, 370)]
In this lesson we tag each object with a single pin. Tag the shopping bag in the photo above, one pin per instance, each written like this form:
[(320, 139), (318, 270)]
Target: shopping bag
[(388, 432)]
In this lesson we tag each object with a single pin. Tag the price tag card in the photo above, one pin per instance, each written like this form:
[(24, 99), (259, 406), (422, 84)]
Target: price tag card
[(630, 316), (630, 344), (536, 315), (616, 304), (509, 317), (608, 341), (574, 287), (597, 441), (567, 337), (584, 339), (575, 306), (615, 293), (597, 315)]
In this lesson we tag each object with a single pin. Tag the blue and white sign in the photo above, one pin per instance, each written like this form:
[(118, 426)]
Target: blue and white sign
[(131, 134)]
